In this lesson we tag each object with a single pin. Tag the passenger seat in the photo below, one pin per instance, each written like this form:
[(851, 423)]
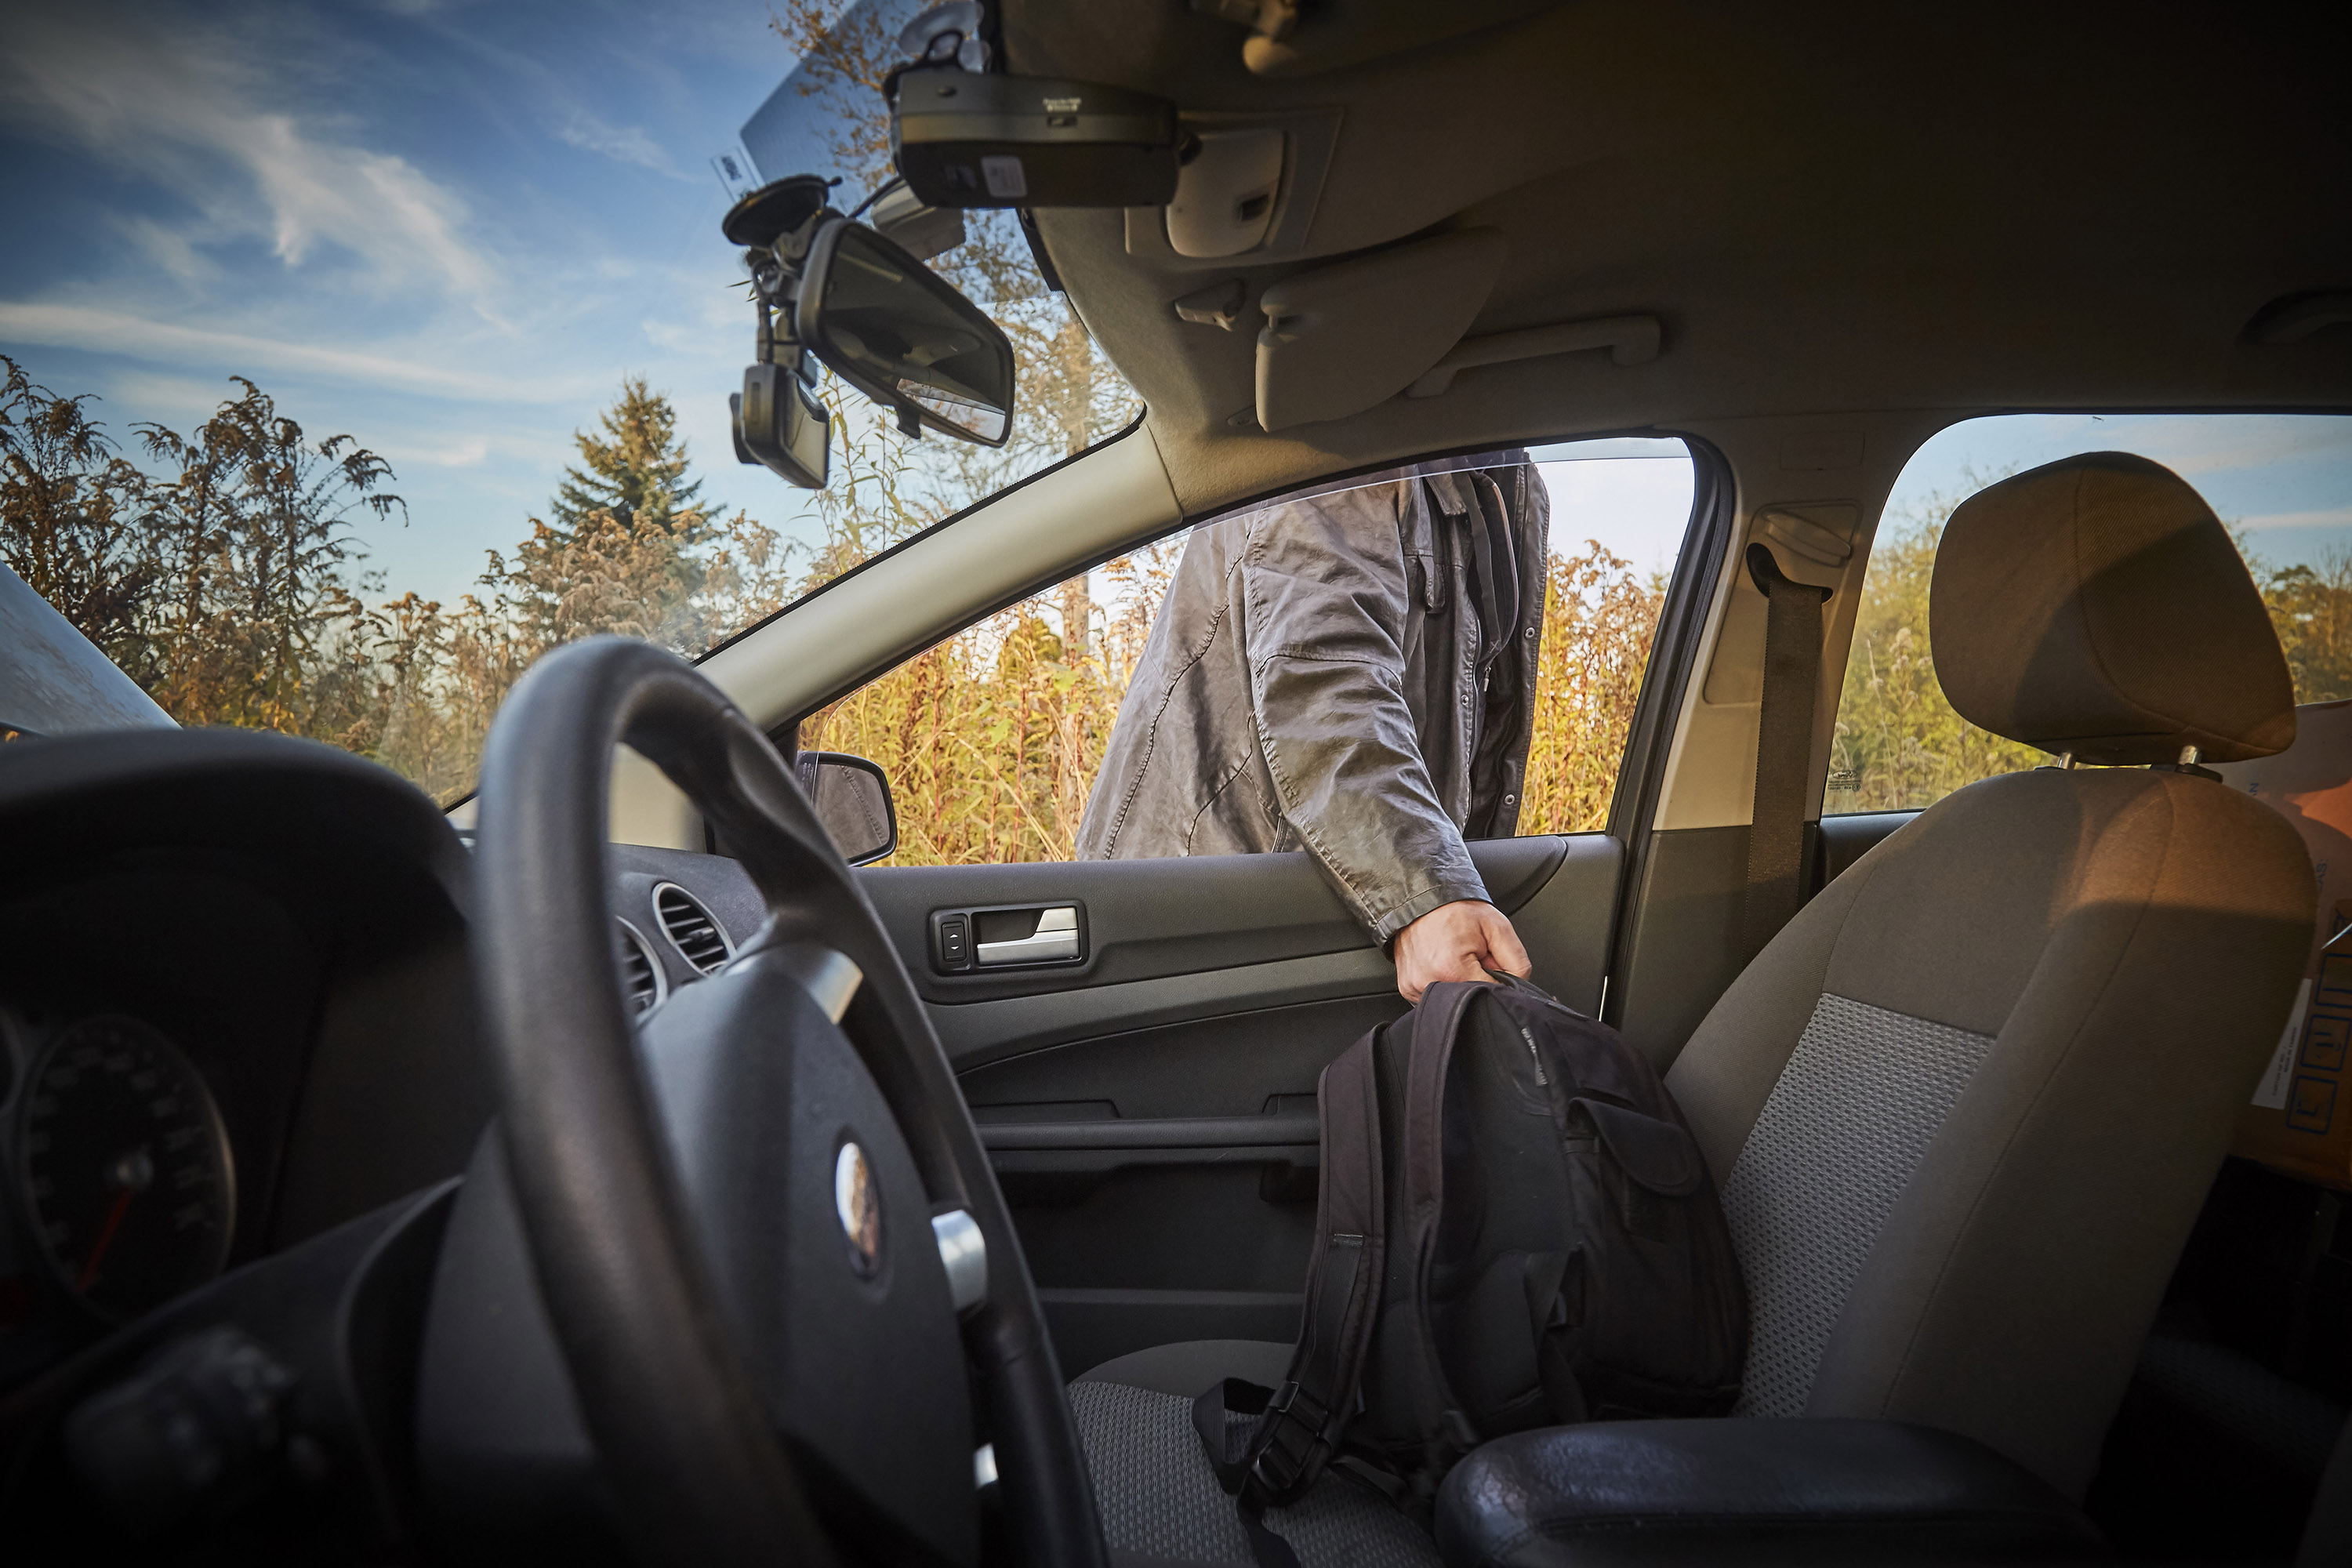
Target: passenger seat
[(1963, 1107)]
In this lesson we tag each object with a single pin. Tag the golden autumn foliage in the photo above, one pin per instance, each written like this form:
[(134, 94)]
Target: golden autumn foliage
[(224, 576), (1900, 746), (1600, 619), (221, 578), (993, 739), (222, 583)]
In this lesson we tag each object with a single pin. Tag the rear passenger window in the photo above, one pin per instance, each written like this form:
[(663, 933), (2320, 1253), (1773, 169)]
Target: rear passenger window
[(995, 741), (2282, 483)]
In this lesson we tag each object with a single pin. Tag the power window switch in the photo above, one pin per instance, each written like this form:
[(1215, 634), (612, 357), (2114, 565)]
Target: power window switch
[(954, 943)]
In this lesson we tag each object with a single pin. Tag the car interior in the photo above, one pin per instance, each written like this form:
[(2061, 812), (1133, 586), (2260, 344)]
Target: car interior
[(516, 1141)]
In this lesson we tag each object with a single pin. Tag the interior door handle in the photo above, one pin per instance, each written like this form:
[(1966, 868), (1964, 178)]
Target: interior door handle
[(1056, 936)]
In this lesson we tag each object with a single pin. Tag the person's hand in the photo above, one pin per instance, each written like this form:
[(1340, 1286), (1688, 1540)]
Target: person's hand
[(1460, 940)]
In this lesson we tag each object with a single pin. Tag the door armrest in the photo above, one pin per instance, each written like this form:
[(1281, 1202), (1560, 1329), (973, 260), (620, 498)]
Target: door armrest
[(1736, 1490)]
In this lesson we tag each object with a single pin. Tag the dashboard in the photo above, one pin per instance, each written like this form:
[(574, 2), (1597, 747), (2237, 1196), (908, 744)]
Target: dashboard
[(236, 1011), (220, 956)]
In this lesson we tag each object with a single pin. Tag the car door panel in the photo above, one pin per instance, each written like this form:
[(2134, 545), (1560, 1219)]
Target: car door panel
[(1150, 1108), (1149, 920), (1157, 1137)]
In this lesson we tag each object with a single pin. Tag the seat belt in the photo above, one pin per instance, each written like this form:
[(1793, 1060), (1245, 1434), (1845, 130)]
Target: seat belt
[(1784, 745)]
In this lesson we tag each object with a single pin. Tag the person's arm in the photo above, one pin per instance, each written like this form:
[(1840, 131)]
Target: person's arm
[(1322, 602)]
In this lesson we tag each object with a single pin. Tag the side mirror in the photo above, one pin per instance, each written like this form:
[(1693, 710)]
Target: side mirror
[(903, 335), (851, 797)]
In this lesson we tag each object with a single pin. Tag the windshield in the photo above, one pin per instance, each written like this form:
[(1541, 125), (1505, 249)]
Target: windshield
[(363, 357), (818, 120)]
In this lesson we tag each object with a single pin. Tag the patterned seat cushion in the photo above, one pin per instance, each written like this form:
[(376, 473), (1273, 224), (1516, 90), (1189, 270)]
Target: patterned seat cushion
[(1159, 1498)]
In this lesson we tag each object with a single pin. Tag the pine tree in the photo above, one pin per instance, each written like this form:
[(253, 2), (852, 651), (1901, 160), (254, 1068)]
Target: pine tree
[(634, 468)]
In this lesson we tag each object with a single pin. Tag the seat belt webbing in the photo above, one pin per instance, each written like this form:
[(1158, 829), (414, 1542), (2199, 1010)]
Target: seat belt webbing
[(1784, 744)]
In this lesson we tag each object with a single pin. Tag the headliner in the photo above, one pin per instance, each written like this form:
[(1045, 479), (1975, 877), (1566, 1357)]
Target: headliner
[(1845, 207)]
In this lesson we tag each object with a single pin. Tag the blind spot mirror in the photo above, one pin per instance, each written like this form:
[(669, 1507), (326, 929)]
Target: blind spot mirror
[(852, 799), (904, 336)]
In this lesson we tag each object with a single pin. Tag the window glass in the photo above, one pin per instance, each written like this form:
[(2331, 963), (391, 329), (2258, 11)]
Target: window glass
[(993, 740), (1619, 510), (2282, 483), (368, 354)]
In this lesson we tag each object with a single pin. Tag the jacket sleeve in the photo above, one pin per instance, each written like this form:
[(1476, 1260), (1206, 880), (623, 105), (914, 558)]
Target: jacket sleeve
[(1322, 605)]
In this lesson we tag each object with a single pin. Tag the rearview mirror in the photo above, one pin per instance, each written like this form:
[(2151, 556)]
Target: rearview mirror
[(851, 797), (904, 336)]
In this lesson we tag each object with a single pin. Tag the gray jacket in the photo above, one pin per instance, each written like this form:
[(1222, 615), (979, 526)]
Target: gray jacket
[(1346, 672)]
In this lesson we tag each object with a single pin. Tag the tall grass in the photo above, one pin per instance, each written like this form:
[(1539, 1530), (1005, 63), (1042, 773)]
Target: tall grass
[(993, 739)]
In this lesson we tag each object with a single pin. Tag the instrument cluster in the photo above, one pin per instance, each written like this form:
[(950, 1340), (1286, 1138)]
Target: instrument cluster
[(121, 1179)]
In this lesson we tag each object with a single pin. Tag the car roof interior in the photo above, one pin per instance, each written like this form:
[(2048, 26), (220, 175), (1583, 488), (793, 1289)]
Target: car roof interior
[(2093, 208), (2084, 204)]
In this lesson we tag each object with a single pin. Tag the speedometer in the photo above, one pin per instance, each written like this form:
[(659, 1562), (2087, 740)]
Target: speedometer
[(126, 1167)]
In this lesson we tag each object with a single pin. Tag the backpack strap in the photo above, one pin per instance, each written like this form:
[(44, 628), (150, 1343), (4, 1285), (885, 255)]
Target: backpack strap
[(1308, 1415), (1446, 1432), (1230, 1455), (1301, 1425)]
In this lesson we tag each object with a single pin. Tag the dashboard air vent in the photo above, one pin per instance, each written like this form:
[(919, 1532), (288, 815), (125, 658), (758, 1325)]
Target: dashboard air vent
[(700, 940), (642, 980)]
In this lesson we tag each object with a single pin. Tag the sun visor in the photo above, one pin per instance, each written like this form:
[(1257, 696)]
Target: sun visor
[(1341, 339)]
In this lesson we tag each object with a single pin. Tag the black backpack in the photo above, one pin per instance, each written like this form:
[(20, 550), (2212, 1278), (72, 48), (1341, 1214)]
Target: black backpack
[(1516, 1229)]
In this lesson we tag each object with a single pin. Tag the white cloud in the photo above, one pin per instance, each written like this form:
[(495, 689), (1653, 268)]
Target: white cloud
[(170, 250), (2325, 517), (466, 452), (180, 110), (622, 143), (118, 332), (169, 398)]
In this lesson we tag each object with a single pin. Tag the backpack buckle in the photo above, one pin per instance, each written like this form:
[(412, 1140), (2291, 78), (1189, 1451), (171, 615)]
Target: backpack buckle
[(1292, 1439)]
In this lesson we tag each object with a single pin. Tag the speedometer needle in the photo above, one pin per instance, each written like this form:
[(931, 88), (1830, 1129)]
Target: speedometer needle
[(105, 1237), (128, 1178)]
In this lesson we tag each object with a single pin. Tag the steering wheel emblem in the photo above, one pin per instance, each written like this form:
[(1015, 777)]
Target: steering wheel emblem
[(857, 1200)]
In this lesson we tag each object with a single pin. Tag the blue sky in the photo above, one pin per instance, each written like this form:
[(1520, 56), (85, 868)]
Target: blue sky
[(2285, 480), (447, 229)]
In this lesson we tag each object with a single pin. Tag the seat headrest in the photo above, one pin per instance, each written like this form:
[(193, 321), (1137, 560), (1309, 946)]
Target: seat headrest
[(2096, 606)]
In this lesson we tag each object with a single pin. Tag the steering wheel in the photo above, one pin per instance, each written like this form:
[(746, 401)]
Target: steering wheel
[(731, 1206)]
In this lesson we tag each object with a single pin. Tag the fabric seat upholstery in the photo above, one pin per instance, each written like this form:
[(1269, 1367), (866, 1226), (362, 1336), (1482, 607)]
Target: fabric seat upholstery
[(1964, 1106)]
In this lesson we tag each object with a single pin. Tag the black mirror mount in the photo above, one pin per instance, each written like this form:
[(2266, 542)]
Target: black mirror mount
[(903, 335), (851, 798), (884, 323), (777, 419)]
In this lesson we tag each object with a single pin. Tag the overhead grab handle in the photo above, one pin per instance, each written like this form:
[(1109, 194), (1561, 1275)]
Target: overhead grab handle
[(1629, 340)]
